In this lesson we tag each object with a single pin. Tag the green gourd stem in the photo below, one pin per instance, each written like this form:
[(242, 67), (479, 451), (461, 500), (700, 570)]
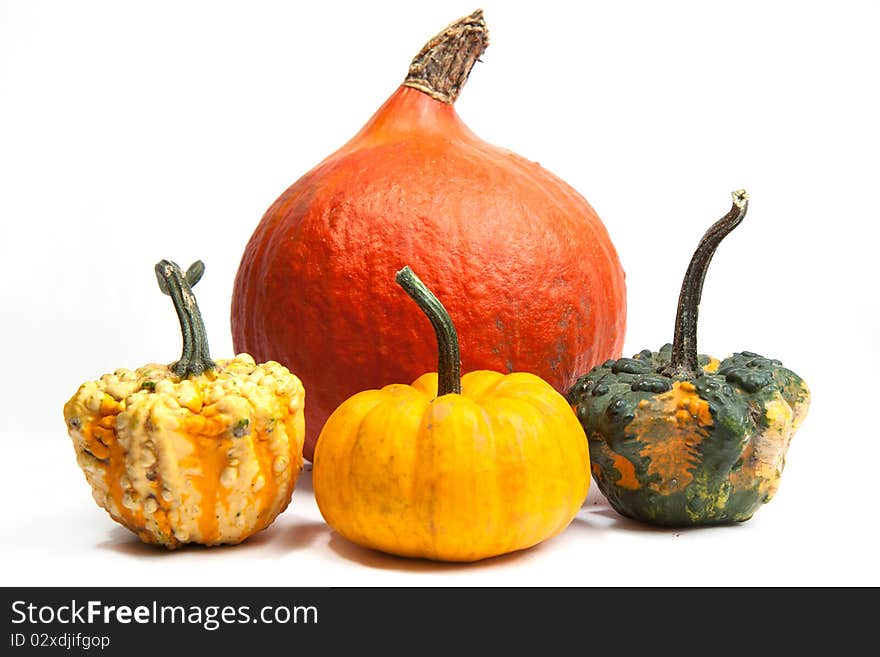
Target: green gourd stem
[(449, 357), (195, 357), (683, 364)]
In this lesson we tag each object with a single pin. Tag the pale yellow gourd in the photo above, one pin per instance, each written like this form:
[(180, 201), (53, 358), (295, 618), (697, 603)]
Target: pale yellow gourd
[(194, 452)]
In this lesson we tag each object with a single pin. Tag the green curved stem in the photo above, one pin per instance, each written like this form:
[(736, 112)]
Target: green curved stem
[(448, 355), (683, 364), (195, 357)]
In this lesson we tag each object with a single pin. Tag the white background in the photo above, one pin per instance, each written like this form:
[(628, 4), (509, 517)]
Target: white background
[(131, 132)]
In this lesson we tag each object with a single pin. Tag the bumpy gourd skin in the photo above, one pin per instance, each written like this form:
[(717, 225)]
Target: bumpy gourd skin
[(207, 459), (681, 452)]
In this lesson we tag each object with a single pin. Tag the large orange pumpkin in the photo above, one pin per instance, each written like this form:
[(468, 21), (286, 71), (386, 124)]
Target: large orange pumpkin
[(520, 258)]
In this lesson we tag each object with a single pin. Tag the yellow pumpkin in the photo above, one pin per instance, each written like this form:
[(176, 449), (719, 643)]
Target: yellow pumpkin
[(450, 468)]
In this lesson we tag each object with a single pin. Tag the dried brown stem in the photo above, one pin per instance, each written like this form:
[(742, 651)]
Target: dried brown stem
[(444, 64)]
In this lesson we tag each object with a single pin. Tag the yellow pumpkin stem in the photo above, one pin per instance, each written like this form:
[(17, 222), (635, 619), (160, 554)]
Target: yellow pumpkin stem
[(449, 356)]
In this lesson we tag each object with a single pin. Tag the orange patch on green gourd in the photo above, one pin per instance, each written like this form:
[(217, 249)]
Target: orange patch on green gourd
[(627, 472), (671, 426), (712, 366)]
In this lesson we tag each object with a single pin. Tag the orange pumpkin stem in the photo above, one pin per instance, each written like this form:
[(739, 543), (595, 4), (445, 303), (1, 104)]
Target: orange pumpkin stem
[(449, 356), (683, 364), (444, 64)]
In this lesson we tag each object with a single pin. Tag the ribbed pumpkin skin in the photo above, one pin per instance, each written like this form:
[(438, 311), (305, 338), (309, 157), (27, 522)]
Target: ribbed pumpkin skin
[(519, 258), (501, 467)]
